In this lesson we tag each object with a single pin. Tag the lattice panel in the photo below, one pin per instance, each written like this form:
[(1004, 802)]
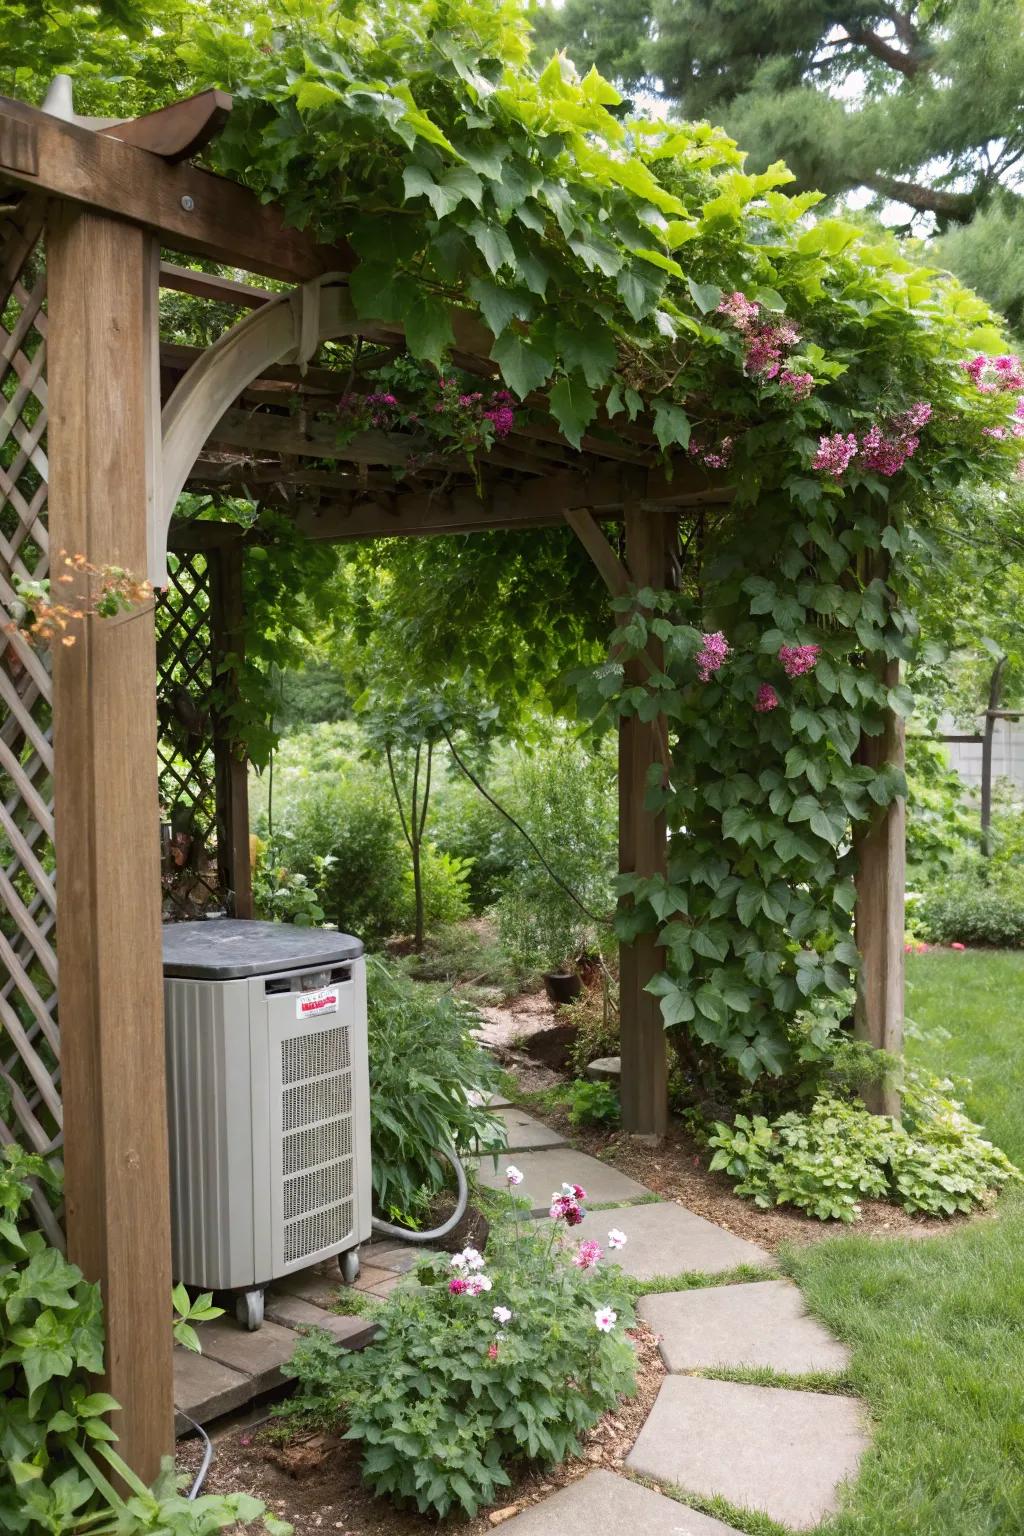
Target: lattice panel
[(187, 771), (30, 1104)]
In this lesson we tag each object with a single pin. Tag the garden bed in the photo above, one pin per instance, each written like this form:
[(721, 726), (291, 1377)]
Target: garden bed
[(313, 1480)]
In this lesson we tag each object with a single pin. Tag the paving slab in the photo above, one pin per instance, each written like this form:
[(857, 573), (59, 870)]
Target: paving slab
[(396, 1258), (490, 1100), (258, 1355), (546, 1170), (204, 1389), (525, 1134), (293, 1312), (764, 1324), (667, 1239), (783, 1453), (602, 1504)]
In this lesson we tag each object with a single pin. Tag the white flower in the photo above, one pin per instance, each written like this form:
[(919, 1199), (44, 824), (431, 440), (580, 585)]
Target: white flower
[(458, 1261), (471, 1258), (502, 1315), (513, 1175), (605, 1319), (477, 1283), (616, 1239)]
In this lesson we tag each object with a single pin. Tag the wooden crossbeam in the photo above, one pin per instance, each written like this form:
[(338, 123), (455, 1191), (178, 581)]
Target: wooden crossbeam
[(207, 285), (178, 131), (189, 209)]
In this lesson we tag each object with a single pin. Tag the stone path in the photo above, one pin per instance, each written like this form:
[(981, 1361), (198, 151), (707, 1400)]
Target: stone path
[(769, 1449)]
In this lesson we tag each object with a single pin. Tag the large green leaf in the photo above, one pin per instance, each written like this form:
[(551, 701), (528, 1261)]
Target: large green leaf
[(573, 406), (524, 365)]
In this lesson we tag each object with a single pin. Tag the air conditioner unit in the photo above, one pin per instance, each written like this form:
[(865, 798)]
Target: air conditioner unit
[(269, 1106)]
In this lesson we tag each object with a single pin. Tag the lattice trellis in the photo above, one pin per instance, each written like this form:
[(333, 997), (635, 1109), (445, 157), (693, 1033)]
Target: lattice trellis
[(30, 1105), (185, 670)]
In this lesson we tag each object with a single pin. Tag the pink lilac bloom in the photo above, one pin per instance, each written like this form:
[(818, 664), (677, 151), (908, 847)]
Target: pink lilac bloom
[(886, 455), (834, 453), (740, 310), (616, 1239), (919, 415), (767, 699), (605, 1319), (712, 654), (796, 385), (503, 419), (798, 659), (718, 457), (997, 432), (993, 374), (588, 1254)]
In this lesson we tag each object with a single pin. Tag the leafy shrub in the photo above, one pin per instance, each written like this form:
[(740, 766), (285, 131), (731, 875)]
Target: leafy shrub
[(58, 1458), (593, 1103), (465, 826), (445, 891), (457, 1387), (824, 1161), (982, 903), (595, 1017), (939, 829), (424, 1066)]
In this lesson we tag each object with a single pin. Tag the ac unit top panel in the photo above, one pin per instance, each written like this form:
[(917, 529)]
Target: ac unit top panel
[(229, 948)]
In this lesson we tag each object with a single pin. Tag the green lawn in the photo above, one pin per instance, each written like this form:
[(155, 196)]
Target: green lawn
[(937, 1326)]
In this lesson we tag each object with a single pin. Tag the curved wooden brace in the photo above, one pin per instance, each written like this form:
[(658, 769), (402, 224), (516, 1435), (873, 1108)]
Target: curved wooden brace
[(288, 329)]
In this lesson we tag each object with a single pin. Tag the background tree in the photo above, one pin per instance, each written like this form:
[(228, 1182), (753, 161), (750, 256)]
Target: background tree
[(917, 101)]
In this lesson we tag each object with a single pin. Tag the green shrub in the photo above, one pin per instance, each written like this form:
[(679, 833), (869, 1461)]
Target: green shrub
[(593, 1103), (425, 1064), (981, 903), (445, 891), (939, 828), (452, 1393), (465, 826), (58, 1465), (837, 1153)]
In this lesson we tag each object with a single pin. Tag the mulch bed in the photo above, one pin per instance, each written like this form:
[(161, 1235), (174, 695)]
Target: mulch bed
[(313, 1480)]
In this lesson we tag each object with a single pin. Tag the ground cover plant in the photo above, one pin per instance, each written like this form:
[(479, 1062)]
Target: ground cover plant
[(489, 1360)]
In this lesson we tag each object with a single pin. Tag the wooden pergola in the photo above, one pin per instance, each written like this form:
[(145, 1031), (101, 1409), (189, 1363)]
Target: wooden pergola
[(102, 428)]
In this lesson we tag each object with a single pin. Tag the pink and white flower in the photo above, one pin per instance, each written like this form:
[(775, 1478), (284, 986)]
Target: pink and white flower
[(502, 1315), (834, 453), (476, 1284), (605, 1319), (588, 1255), (616, 1239), (513, 1176)]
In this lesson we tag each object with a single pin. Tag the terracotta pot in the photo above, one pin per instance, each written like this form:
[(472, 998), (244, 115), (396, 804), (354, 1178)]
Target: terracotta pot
[(562, 986)]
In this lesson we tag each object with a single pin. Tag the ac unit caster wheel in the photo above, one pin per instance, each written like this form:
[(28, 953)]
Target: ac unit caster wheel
[(249, 1309), (348, 1263)]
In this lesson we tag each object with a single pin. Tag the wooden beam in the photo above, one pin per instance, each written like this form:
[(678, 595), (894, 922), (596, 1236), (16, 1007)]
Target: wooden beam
[(612, 571), (231, 768), (102, 350), (178, 131), (643, 850), (189, 209), (207, 285), (879, 916)]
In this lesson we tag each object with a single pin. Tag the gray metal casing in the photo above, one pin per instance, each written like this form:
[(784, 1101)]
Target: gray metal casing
[(269, 1126)]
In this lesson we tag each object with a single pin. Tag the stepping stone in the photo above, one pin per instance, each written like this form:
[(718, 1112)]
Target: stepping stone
[(205, 1389), (669, 1240), (525, 1134), (258, 1355), (487, 1100), (763, 1448), (293, 1312), (742, 1325), (602, 1504), (547, 1170), (605, 1069)]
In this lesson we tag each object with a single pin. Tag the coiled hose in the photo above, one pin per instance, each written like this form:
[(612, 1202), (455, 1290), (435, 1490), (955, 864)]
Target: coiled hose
[(451, 1157)]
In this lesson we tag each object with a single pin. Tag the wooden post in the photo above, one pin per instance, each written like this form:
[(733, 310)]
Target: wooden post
[(231, 769), (995, 693), (643, 851), (879, 916), (103, 436)]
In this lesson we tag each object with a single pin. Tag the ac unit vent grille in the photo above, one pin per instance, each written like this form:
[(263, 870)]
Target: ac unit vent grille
[(311, 1149), (310, 1192), (325, 1229), (309, 1103), (317, 1054)]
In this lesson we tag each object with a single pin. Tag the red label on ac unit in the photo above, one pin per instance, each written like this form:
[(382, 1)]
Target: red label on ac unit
[(309, 1004)]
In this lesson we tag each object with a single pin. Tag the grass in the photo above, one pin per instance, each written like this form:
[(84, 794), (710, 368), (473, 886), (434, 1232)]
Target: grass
[(936, 1326)]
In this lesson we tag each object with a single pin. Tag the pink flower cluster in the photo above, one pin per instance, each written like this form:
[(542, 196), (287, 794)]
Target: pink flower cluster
[(798, 659), (881, 450), (718, 456), (468, 1281), (567, 1205), (588, 1255), (765, 343), (379, 409), (711, 656), (767, 699), (496, 408), (995, 375)]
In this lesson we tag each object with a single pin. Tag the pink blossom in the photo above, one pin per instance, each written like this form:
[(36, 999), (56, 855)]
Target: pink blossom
[(712, 654), (502, 1315), (767, 699), (798, 659), (503, 418), (588, 1254), (918, 415), (458, 1285), (958, 946), (717, 457), (797, 385), (995, 374), (605, 1319), (740, 310), (834, 453), (616, 1239), (513, 1175), (565, 1207), (997, 432), (492, 1351), (477, 1283), (574, 1191), (886, 455)]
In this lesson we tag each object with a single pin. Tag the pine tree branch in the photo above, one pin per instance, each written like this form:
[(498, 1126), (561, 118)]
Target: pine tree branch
[(909, 62), (958, 206)]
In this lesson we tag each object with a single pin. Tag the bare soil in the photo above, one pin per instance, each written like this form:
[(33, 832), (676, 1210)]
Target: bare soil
[(313, 1480)]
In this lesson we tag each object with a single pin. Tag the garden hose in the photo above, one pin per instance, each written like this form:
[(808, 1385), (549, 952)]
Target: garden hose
[(450, 1156)]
